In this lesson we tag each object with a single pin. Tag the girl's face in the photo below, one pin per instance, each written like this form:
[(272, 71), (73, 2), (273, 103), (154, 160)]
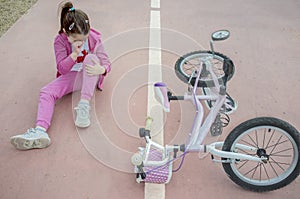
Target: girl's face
[(77, 37)]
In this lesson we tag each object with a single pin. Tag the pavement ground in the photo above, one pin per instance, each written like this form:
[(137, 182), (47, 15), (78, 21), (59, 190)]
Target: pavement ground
[(95, 162)]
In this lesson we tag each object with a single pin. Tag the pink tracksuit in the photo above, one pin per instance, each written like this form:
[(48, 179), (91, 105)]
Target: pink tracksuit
[(65, 81)]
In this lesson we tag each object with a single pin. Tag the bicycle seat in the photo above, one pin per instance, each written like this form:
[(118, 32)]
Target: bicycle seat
[(161, 95)]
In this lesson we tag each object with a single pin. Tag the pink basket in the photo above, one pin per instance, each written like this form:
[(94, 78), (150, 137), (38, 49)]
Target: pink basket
[(157, 174)]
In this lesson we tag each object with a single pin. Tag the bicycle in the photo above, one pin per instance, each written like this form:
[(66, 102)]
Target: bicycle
[(260, 154)]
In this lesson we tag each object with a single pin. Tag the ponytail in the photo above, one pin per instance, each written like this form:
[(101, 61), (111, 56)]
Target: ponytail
[(73, 21)]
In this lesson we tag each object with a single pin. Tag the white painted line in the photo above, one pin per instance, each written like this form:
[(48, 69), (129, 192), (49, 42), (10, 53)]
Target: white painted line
[(155, 74), (154, 110), (154, 191), (155, 4)]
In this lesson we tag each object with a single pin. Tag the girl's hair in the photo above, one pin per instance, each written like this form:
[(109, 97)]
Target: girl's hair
[(73, 21)]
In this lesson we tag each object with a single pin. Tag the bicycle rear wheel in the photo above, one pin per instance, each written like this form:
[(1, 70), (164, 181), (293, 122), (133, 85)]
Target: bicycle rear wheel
[(275, 139), (190, 62)]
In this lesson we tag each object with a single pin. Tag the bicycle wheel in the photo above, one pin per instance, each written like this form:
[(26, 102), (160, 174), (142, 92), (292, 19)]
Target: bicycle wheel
[(190, 62), (274, 139)]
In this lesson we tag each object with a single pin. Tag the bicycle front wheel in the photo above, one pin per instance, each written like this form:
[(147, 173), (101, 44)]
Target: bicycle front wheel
[(277, 141), (190, 62)]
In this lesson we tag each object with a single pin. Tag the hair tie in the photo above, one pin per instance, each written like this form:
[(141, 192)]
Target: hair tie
[(72, 9), (71, 26)]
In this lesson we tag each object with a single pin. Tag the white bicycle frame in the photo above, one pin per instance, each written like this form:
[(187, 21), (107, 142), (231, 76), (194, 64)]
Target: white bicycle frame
[(201, 127)]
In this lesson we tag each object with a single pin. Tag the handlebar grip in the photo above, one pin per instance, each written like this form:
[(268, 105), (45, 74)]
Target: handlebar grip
[(144, 132), (149, 121)]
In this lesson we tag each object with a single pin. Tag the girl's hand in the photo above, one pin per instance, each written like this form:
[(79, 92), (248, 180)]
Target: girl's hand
[(77, 48), (97, 69)]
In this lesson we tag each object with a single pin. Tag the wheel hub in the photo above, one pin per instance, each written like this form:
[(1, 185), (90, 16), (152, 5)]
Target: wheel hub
[(262, 154)]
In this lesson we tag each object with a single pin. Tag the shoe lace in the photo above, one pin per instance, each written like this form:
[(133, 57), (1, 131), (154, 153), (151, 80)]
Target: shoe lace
[(30, 131), (83, 109)]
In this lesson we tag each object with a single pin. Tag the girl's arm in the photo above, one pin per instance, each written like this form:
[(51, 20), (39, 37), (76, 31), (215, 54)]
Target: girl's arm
[(64, 62), (101, 54)]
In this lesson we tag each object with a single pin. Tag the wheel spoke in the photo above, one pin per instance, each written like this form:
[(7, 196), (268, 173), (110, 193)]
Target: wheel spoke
[(191, 62), (255, 144), (256, 138), (243, 164), (280, 163), (244, 141), (273, 139), (266, 171), (274, 170), (264, 138), (276, 154), (275, 145), (270, 138), (260, 172), (253, 170)]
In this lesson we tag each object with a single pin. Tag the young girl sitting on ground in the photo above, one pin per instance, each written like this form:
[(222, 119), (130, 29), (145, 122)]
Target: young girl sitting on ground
[(79, 56)]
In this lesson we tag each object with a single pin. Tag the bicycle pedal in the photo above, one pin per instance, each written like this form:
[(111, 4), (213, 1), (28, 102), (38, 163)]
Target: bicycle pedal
[(230, 105), (216, 128)]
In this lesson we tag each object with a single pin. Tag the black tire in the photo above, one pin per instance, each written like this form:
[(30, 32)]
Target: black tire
[(185, 65), (275, 139)]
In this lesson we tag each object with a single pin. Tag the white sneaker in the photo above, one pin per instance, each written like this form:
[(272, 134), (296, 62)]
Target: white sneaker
[(83, 115), (32, 139)]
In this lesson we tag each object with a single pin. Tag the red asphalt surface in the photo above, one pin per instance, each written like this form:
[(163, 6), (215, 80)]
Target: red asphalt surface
[(95, 162)]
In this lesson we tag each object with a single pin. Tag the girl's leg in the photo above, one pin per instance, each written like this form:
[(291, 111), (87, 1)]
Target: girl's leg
[(88, 88), (38, 137), (53, 91), (89, 82)]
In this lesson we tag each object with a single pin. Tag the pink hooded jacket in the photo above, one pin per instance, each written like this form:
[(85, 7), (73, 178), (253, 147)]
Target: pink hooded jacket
[(63, 50)]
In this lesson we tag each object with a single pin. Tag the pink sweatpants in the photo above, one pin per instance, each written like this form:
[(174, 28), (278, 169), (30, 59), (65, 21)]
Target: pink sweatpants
[(63, 85)]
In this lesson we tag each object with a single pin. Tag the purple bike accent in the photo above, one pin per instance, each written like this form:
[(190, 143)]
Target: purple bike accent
[(156, 174), (161, 95)]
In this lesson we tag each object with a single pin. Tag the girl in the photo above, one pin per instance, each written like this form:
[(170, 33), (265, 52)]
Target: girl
[(79, 55)]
